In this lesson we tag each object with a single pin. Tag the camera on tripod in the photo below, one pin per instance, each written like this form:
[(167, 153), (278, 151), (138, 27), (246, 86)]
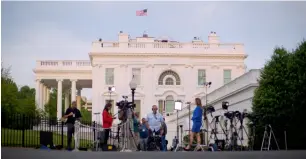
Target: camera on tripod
[(210, 109), (229, 115), (124, 104)]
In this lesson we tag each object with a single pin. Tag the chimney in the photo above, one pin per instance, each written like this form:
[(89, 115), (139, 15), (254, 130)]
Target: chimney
[(123, 39), (213, 39)]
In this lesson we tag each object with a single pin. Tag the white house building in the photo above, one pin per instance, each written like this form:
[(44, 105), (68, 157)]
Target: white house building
[(165, 71)]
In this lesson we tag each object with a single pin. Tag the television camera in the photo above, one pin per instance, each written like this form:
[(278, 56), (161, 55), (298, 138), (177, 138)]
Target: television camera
[(124, 104)]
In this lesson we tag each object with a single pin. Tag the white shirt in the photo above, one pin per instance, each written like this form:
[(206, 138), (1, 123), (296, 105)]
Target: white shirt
[(154, 121)]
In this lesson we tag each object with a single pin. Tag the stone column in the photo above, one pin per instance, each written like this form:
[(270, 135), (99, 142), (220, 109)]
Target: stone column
[(79, 99), (37, 93), (59, 98), (66, 100), (73, 90), (45, 95), (48, 95), (41, 97)]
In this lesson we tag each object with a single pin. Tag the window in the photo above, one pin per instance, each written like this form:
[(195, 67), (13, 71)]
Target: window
[(201, 77), (169, 104), (169, 81), (227, 76), (161, 106), (109, 76), (138, 107), (171, 73), (136, 72)]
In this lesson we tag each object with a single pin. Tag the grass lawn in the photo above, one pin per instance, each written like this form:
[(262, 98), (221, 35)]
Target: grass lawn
[(13, 138)]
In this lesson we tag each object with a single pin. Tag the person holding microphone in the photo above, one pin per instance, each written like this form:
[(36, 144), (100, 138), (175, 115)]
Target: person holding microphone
[(107, 122)]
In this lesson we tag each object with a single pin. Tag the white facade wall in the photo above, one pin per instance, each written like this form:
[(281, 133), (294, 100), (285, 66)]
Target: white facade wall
[(149, 92), (239, 93)]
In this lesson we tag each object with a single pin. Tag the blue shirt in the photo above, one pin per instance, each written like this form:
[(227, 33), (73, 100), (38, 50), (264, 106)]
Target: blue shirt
[(143, 131), (197, 114), (154, 121)]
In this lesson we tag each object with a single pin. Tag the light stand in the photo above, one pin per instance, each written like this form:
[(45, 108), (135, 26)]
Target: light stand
[(189, 115), (177, 107), (110, 91), (206, 85)]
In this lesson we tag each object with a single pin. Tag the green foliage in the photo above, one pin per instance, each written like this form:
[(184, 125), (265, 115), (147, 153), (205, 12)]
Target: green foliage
[(51, 106), (281, 97), (86, 116), (15, 101)]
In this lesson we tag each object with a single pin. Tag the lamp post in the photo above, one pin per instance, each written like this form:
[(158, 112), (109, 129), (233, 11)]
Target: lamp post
[(133, 86), (206, 85), (177, 107)]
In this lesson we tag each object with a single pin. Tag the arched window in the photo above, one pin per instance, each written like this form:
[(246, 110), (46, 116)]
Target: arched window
[(171, 73), (169, 104), (169, 81)]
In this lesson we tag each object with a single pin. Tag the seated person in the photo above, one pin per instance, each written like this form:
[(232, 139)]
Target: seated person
[(143, 134)]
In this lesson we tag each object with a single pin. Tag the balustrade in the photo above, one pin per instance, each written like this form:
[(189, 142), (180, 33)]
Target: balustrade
[(195, 45), (63, 64)]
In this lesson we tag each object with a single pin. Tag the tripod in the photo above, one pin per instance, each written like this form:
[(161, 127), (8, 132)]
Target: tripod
[(232, 144), (214, 131), (127, 132), (242, 130), (181, 142)]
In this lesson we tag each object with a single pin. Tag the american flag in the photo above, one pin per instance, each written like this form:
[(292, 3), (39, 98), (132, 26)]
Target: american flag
[(142, 12)]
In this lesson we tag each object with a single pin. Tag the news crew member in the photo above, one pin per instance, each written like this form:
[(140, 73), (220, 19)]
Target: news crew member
[(107, 122), (197, 123), (72, 114), (154, 120)]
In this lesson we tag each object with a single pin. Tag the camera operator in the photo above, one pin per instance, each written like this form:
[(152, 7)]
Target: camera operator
[(154, 120), (136, 124), (197, 123), (163, 132), (107, 122), (72, 114), (143, 134)]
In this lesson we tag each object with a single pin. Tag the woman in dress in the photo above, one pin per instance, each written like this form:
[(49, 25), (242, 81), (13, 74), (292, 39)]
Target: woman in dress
[(197, 123)]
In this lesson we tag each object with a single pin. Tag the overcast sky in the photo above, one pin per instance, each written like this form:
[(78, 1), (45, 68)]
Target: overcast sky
[(64, 30)]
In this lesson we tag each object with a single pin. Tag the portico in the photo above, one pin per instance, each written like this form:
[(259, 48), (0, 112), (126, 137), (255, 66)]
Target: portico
[(68, 77)]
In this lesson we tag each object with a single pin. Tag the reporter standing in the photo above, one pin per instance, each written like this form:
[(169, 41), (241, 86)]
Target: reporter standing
[(107, 122), (72, 114), (197, 123)]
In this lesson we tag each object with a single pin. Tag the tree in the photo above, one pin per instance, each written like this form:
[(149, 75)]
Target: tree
[(26, 101), (86, 116), (9, 92), (280, 98), (51, 106)]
